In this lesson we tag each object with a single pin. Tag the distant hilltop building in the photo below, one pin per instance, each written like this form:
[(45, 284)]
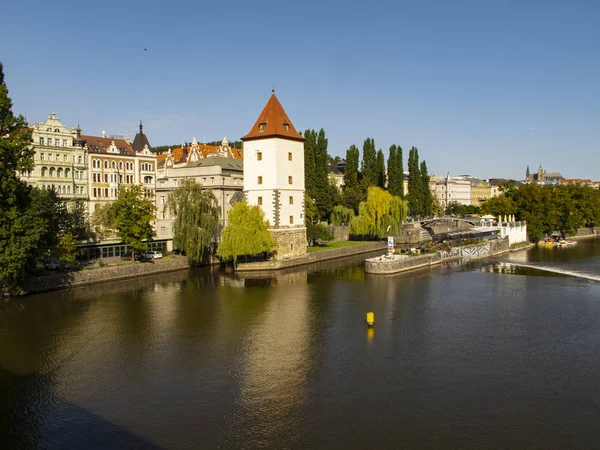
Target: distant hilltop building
[(542, 176), (274, 177)]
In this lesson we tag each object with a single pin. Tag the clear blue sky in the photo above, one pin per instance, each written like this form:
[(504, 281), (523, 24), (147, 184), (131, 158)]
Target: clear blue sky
[(481, 87)]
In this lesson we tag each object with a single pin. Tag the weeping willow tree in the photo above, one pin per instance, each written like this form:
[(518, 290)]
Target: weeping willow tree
[(341, 215), (382, 214), (246, 233), (196, 214)]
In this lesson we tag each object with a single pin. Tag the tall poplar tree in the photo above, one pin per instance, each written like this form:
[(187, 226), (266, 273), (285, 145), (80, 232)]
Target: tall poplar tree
[(415, 184), (322, 194), (351, 175), (427, 198), (380, 170), (353, 193), (310, 144), (395, 171), (368, 169)]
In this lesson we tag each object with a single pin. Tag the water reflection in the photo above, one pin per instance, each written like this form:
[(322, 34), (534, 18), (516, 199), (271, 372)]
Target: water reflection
[(207, 359)]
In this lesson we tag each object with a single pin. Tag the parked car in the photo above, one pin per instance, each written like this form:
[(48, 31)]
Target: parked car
[(137, 257), (52, 264), (153, 255)]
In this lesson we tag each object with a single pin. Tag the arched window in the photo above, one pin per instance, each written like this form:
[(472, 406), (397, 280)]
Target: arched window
[(121, 165), (52, 171), (56, 130), (59, 172), (68, 189), (105, 164), (59, 190), (44, 171), (67, 173), (113, 165)]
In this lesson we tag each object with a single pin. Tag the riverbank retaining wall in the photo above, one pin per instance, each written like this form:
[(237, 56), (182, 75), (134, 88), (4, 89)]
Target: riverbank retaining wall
[(99, 275), (310, 258), (401, 263)]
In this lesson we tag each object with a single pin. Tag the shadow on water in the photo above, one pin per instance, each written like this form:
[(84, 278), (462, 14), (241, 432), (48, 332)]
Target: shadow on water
[(34, 417)]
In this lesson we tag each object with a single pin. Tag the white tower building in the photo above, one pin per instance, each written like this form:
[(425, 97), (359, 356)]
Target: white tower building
[(274, 177)]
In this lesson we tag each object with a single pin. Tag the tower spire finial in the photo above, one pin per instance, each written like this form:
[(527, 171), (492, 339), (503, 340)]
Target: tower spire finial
[(141, 127)]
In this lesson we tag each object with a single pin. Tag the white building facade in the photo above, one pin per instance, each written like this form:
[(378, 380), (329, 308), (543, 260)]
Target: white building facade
[(453, 189), (274, 177)]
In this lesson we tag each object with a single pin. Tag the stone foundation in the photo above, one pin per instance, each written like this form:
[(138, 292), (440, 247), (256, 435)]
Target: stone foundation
[(289, 242)]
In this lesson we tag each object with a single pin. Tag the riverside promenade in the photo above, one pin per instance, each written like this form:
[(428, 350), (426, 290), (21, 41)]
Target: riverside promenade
[(310, 258), (385, 265)]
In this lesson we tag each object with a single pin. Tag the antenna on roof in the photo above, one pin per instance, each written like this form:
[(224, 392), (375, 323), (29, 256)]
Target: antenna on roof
[(273, 90)]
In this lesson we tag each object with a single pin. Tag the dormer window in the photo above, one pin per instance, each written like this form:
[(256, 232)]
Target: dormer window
[(262, 126), (286, 127), (259, 156)]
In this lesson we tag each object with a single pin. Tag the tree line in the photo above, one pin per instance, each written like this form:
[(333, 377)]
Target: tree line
[(549, 208)]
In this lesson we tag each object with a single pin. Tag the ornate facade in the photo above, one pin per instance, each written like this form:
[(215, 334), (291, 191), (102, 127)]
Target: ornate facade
[(219, 170), (60, 161), (89, 168)]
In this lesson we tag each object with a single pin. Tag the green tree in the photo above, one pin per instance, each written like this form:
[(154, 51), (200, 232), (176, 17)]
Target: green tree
[(341, 215), (426, 191), (310, 177), (103, 219), (133, 213), (67, 249), (20, 228), (369, 162), (351, 174), (317, 232), (311, 211), (380, 170), (382, 214), (395, 171), (321, 191), (246, 233), (415, 184), (196, 212), (77, 221)]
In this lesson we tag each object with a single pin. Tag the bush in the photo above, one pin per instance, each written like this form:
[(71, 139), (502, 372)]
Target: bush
[(317, 232)]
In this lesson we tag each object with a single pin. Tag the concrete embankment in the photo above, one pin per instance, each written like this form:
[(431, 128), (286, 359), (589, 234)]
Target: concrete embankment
[(103, 274), (402, 263), (584, 233), (310, 258)]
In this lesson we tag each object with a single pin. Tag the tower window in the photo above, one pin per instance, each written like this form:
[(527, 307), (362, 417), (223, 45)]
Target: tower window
[(259, 201), (290, 180), (291, 220), (262, 126), (289, 156), (259, 180), (286, 127), (259, 156), (291, 200)]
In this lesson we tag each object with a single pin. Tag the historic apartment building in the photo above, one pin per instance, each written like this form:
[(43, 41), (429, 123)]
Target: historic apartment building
[(452, 189), (274, 176), (217, 168), (60, 160), (88, 168)]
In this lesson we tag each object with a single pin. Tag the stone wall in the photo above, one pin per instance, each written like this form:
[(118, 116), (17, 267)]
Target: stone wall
[(587, 232), (400, 263), (340, 233), (289, 242), (311, 258), (100, 275)]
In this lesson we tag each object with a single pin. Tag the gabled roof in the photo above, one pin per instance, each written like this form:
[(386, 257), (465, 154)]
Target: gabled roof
[(97, 144), (273, 122)]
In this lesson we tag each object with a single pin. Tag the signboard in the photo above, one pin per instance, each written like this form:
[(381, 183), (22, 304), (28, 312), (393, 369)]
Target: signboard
[(390, 245)]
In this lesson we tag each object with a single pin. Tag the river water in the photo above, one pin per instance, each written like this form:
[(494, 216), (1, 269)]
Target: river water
[(480, 355)]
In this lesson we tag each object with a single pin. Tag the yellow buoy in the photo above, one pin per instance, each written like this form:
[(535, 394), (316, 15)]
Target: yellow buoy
[(370, 318)]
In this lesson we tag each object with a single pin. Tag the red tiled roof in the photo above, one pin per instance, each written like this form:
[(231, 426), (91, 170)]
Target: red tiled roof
[(273, 122), (103, 144)]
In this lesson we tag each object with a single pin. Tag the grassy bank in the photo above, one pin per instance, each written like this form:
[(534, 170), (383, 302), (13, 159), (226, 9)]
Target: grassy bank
[(332, 245)]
